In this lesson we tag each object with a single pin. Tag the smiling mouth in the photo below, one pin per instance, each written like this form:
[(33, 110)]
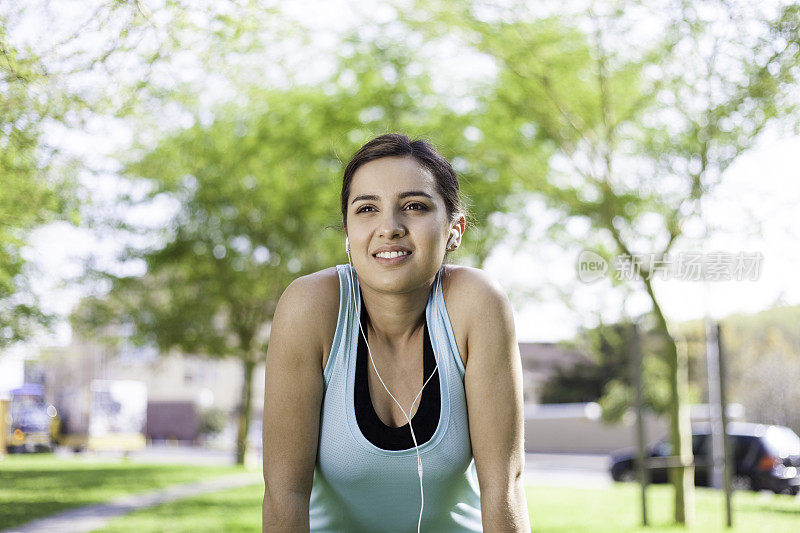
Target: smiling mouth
[(390, 255)]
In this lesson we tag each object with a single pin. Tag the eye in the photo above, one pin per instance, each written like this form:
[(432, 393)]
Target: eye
[(413, 206)]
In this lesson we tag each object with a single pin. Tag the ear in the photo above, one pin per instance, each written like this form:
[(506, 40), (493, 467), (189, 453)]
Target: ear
[(459, 225)]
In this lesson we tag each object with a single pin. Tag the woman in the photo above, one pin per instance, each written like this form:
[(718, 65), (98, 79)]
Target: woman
[(384, 408)]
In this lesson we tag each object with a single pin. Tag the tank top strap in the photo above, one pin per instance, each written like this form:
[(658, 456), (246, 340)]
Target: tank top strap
[(441, 325), (344, 321)]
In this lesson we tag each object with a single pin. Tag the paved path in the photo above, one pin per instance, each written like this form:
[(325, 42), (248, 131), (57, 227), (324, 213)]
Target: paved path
[(567, 470), (89, 518)]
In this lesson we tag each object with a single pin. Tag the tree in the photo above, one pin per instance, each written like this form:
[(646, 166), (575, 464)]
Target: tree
[(606, 376), (585, 380), (50, 72), (253, 192), (31, 193), (644, 107)]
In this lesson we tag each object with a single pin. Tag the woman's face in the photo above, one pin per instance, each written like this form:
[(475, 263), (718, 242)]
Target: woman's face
[(393, 203)]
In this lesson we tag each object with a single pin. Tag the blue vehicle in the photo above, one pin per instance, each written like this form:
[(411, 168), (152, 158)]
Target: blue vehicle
[(31, 419)]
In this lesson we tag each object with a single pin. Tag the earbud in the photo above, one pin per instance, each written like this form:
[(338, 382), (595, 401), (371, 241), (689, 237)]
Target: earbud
[(347, 245), (453, 236)]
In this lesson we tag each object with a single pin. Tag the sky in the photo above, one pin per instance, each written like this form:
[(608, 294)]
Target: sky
[(761, 186)]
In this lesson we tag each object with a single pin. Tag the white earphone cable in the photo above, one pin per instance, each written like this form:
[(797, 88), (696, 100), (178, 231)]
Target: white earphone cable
[(413, 436)]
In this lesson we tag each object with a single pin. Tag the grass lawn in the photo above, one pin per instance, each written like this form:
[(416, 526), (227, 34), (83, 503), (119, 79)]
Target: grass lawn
[(618, 509), (37, 485), (552, 509), (226, 511)]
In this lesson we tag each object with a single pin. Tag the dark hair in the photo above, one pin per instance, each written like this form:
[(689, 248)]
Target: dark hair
[(399, 145)]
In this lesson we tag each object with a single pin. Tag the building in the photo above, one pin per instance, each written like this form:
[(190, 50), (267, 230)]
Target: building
[(180, 387), (540, 361)]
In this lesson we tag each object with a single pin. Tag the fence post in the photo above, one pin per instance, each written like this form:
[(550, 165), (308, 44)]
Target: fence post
[(728, 464), (3, 427), (635, 354)]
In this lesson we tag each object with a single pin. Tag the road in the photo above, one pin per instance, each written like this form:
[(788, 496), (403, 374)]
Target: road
[(565, 469)]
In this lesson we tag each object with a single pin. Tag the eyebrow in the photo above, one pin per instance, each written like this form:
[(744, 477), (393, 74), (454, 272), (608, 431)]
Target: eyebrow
[(401, 195)]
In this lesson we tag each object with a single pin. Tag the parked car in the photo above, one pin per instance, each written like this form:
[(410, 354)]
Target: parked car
[(766, 458), (30, 421)]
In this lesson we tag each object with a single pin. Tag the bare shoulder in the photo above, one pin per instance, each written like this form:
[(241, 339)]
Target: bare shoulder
[(323, 284), (467, 283), (312, 302), (466, 289)]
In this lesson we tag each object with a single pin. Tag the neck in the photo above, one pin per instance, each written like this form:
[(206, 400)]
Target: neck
[(396, 318)]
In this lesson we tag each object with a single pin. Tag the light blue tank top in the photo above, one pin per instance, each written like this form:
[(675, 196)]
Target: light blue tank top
[(360, 487)]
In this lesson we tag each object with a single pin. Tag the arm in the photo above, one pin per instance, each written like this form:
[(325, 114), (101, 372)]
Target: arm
[(292, 400), (493, 384)]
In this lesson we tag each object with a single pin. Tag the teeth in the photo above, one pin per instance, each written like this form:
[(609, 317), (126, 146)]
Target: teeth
[(391, 255)]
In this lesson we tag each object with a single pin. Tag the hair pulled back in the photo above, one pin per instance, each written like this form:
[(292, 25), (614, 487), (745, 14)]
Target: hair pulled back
[(399, 145)]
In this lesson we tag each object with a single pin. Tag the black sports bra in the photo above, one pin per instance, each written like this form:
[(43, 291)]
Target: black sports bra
[(425, 420)]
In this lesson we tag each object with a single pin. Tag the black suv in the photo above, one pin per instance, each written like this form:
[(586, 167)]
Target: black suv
[(766, 457)]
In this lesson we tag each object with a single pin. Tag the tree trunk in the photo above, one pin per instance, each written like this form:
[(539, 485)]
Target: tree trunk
[(682, 477), (244, 410)]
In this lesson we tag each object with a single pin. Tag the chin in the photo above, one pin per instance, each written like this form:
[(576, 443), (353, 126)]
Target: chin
[(394, 281), (403, 279)]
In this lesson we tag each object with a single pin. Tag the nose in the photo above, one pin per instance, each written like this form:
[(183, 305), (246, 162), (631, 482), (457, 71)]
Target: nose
[(391, 226)]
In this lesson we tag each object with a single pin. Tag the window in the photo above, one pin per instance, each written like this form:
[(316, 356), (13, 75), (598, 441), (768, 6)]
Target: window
[(701, 445), (782, 441)]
